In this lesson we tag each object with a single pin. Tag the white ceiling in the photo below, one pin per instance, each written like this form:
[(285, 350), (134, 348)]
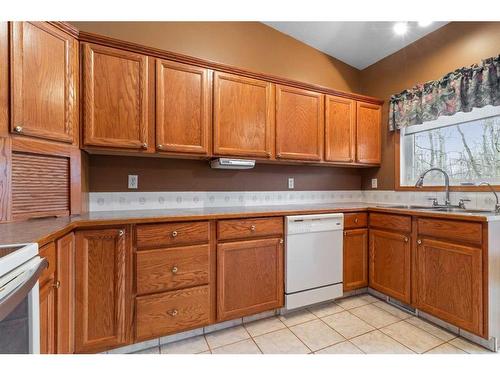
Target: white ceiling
[(359, 44)]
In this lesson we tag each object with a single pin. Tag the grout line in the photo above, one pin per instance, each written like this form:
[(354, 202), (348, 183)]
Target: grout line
[(251, 338), (310, 350)]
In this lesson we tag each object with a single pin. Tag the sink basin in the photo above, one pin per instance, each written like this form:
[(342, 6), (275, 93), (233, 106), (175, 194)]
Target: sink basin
[(462, 210), (410, 207)]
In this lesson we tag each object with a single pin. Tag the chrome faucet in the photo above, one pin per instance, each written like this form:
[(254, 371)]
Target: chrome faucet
[(420, 183), (497, 205)]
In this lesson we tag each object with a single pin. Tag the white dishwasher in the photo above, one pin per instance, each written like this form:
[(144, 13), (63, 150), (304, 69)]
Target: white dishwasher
[(313, 259)]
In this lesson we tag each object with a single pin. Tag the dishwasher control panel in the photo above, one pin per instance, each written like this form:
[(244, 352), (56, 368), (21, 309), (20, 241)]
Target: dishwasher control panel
[(314, 223)]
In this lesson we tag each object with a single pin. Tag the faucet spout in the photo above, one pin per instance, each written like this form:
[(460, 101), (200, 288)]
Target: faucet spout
[(420, 183), (497, 205)]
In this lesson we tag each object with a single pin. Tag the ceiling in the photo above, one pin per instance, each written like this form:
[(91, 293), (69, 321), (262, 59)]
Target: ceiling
[(359, 44)]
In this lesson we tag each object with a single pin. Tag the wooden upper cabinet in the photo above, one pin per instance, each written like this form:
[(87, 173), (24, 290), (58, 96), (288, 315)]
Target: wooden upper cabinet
[(368, 122), (183, 108), (450, 283), (243, 116), (115, 91), (103, 289), (44, 77), (299, 124), (340, 129)]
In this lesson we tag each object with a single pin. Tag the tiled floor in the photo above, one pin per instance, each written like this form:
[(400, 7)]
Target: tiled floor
[(355, 325)]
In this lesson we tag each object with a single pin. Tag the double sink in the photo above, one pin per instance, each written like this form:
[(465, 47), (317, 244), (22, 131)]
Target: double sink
[(457, 210)]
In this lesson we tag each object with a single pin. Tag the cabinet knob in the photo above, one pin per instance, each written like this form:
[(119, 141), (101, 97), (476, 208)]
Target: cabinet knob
[(18, 129), (144, 145), (174, 269), (160, 147), (406, 239), (281, 240), (356, 220), (268, 154), (57, 284), (173, 312), (278, 155), (252, 228), (174, 233), (419, 242), (121, 232)]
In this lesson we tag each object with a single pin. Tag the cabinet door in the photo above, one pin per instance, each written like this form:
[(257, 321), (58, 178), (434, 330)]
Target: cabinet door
[(65, 294), (340, 129), (449, 283), (115, 109), (368, 146), (183, 112), (48, 318), (243, 116), (355, 259), (249, 277), (299, 124), (390, 264), (44, 75), (103, 289)]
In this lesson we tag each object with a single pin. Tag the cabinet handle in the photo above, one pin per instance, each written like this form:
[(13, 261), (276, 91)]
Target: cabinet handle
[(278, 155), (57, 284), (174, 269), (419, 242), (144, 145), (173, 312), (252, 228), (18, 129), (356, 220), (406, 239), (268, 154), (121, 232), (174, 233), (160, 147), (281, 240)]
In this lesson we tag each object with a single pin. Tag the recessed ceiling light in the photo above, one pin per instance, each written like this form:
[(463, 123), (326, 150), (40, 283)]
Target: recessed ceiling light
[(424, 23), (400, 28)]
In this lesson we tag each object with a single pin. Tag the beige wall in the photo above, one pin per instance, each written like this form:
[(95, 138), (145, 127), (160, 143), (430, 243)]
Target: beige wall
[(446, 49)]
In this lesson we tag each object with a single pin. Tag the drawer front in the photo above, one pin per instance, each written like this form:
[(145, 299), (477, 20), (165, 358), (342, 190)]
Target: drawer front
[(166, 313), (391, 222), (171, 234), (450, 229), (49, 253), (174, 268), (355, 220), (249, 228)]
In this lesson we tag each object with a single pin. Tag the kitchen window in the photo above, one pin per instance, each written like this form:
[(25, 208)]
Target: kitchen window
[(465, 145)]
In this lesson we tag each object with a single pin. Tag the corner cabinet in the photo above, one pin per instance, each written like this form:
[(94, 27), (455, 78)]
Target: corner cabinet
[(368, 133), (103, 289), (299, 124), (183, 108), (44, 82), (115, 98), (243, 116)]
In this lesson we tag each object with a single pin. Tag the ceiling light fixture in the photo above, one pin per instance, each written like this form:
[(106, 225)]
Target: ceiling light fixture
[(424, 23), (400, 28)]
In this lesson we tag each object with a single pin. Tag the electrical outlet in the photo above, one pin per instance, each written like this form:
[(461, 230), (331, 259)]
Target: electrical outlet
[(374, 183), (291, 183), (133, 181)]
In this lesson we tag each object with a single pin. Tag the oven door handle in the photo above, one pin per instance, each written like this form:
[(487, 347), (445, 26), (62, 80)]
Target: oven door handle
[(13, 299)]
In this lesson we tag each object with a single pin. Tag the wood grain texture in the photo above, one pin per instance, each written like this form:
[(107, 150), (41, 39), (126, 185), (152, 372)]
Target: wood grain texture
[(65, 294), (152, 236), (175, 268), (399, 223), (299, 124), (355, 220), (103, 289), (48, 319), (449, 283), (249, 277), (44, 79), (243, 116), (48, 252), (115, 93), (249, 228), (368, 133), (4, 81), (459, 231), (40, 185), (5, 178), (340, 129), (355, 259), (170, 312), (390, 264), (183, 108)]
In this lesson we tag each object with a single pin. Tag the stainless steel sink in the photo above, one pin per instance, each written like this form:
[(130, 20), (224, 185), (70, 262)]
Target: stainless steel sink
[(462, 210), (410, 207)]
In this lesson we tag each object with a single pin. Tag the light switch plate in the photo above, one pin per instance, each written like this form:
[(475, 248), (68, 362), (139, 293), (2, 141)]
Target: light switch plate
[(133, 181), (291, 183), (374, 183)]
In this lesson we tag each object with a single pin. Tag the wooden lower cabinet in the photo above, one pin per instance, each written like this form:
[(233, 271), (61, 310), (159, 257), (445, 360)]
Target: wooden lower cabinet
[(355, 259), (48, 301), (249, 277), (390, 264), (103, 289), (449, 283)]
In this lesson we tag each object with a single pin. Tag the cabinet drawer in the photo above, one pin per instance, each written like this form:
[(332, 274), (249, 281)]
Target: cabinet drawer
[(165, 313), (249, 228), (174, 268), (450, 229), (171, 234), (355, 220), (391, 222), (49, 253)]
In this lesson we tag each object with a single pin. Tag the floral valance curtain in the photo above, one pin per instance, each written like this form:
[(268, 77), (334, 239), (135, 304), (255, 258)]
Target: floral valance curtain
[(459, 91)]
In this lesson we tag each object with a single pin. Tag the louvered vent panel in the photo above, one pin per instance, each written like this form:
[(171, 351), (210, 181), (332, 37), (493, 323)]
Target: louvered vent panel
[(40, 185)]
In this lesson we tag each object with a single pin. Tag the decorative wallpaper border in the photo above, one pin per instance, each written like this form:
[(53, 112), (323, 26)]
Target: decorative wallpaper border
[(117, 201)]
